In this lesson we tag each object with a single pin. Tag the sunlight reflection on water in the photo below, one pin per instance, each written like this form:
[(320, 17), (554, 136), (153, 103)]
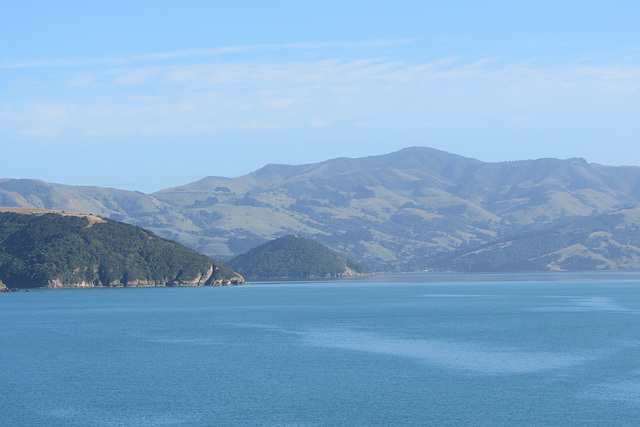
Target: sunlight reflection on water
[(585, 304), (453, 355)]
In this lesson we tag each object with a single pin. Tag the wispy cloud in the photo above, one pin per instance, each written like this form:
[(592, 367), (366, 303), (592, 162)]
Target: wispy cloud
[(144, 95), (114, 60)]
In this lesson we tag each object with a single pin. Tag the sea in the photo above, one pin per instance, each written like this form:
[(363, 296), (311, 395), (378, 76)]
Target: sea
[(388, 350)]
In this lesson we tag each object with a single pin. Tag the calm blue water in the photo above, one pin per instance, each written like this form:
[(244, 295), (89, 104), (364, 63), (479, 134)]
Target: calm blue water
[(401, 350)]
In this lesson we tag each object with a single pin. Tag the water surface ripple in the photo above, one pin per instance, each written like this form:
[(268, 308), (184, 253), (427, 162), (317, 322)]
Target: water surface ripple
[(387, 350)]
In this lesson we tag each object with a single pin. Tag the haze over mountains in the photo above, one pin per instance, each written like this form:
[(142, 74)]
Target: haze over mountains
[(403, 211)]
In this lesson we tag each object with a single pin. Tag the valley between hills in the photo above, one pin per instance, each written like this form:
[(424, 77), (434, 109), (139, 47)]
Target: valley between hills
[(413, 210)]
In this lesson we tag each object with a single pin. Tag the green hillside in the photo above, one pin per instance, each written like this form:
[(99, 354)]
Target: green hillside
[(62, 250), (295, 257)]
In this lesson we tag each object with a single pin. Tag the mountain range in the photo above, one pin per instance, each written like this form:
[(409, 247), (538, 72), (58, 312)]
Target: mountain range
[(414, 209)]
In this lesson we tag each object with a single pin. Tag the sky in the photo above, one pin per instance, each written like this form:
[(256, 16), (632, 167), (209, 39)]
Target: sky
[(146, 95)]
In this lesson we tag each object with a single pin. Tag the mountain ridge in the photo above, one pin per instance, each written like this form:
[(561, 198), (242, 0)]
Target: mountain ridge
[(394, 211)]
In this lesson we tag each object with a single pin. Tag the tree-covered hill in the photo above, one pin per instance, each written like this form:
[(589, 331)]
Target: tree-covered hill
[(63, 250), (295, 257)]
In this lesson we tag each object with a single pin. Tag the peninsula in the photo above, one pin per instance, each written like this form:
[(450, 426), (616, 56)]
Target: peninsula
[(52, 249)]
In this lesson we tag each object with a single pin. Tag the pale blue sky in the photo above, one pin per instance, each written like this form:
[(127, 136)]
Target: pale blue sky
[(145, 95)]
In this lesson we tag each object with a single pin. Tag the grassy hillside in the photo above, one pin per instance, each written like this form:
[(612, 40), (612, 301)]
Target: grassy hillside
[(395, 211), (598, 243)]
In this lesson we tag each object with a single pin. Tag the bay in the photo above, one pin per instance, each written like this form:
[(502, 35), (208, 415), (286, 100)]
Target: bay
[(542, 349)]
